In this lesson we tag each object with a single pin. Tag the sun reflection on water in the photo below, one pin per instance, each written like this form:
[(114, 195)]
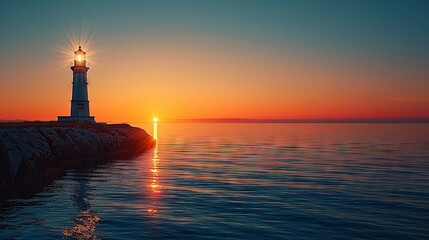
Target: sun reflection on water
[(154, 185)]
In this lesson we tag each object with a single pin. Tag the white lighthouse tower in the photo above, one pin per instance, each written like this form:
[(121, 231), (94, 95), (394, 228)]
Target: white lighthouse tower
[(79, 103)]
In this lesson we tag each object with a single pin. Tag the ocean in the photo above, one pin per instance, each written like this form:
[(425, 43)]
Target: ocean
[(243, 181)]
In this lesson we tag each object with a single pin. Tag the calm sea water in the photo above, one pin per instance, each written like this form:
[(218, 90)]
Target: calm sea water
[(243, 181)]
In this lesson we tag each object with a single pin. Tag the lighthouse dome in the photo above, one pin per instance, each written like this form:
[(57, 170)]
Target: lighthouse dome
[(79, 51), (79, 55)]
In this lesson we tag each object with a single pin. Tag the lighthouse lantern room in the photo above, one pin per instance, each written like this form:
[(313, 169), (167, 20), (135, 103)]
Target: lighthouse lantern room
[(79, 103)]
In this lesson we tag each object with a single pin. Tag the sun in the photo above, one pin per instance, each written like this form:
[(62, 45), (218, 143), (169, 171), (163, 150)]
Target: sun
[(155, 119)]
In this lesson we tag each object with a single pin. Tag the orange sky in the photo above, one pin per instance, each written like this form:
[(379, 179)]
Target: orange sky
[(186, 79)]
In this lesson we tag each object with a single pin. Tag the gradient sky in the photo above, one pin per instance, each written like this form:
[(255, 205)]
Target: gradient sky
[(217, 59)]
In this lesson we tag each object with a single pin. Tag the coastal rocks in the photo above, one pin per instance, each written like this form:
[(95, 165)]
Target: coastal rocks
[(33, 154)]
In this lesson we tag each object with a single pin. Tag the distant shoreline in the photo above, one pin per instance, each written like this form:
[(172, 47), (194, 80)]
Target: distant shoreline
[(245, 120)]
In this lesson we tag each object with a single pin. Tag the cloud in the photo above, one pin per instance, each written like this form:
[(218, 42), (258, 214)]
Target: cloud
[(410, 100)]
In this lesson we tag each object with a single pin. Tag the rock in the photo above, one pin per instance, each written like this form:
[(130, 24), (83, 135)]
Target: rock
[(32, 154)]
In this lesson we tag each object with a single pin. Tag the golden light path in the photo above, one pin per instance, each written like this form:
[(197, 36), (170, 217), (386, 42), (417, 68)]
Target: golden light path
[(154, 185)]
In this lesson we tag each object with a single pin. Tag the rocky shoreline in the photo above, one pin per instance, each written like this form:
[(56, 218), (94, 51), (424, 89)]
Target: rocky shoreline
[(33, 154)]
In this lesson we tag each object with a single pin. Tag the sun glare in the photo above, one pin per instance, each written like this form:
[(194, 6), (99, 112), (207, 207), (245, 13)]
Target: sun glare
[(76, 38), (155, 119)]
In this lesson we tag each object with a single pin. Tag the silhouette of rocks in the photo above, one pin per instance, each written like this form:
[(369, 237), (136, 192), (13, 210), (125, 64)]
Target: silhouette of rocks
[(32, 154)]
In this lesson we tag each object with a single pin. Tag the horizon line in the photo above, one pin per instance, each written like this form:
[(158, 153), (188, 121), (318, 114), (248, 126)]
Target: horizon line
[(260, 120)]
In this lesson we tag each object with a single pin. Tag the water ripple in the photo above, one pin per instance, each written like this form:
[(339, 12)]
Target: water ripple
[(243, 181)]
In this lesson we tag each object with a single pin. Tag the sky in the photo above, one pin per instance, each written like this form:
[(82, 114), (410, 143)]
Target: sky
[(217, 59)]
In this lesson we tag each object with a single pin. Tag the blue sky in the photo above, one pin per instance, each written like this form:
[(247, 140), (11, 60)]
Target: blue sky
[(391, 29)]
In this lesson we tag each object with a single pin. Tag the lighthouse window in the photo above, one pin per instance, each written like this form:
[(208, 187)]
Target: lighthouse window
[(80, 109)]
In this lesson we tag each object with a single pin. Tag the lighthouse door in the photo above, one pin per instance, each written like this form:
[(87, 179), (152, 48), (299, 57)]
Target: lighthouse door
[(80, 108)]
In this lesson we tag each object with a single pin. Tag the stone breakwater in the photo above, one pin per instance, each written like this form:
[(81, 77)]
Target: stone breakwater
[(34, 154)]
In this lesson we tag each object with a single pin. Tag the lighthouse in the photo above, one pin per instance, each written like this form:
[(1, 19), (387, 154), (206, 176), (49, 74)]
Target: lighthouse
[(79, 103)]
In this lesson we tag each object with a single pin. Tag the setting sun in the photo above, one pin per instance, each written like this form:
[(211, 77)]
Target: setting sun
[(155, 119)]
